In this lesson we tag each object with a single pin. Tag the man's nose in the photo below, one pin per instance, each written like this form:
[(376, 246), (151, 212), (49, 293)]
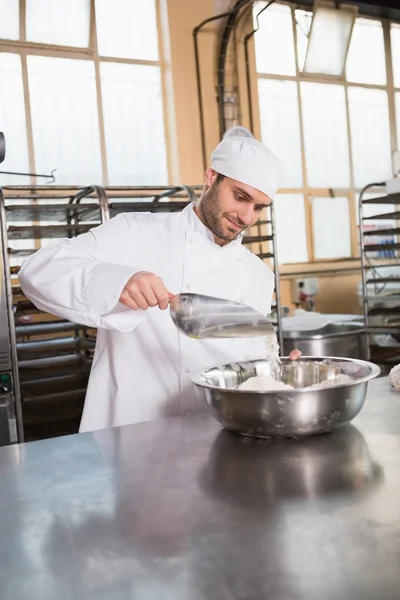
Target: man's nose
[(246, 214)]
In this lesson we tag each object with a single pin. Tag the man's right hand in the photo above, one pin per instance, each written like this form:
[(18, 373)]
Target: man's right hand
[(144, 290)]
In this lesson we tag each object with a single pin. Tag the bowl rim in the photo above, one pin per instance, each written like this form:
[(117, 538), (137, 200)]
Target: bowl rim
[(375, 372)]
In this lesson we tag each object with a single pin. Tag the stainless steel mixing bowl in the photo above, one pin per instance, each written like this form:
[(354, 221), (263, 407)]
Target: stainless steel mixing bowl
[(293, 413)]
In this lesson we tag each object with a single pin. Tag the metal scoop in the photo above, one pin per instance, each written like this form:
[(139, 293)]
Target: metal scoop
[(207, 317)]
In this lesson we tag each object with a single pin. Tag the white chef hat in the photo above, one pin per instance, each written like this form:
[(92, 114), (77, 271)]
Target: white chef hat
[(249, 161)]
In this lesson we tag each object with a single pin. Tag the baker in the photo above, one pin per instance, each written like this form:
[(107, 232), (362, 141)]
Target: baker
[(119, 277)]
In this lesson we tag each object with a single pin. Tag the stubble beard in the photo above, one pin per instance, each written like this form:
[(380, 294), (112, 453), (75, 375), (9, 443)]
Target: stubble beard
[(209, 209)]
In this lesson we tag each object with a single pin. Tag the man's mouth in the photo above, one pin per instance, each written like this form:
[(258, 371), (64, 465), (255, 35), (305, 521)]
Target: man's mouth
[(233, 224)]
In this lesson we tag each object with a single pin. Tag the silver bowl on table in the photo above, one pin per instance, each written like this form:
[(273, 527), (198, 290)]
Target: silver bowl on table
[(300, 412)]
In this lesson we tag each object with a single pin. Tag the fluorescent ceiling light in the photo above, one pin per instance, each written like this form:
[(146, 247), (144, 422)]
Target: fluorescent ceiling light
[(329, 38)]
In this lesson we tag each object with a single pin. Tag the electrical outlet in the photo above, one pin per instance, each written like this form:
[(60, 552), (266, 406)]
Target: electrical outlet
[(301, 288)]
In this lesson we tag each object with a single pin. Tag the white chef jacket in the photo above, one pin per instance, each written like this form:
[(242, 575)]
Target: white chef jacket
[(142, 364)]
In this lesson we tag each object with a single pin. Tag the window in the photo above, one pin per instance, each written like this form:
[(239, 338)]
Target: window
[(279, 111), (75, 73), (127, 28), (274, 41), (331, 228), (366, 58), (59, 23), (334, 134), (325, 135), (64, 122), (9, 21), (139, 116), (291, 233)]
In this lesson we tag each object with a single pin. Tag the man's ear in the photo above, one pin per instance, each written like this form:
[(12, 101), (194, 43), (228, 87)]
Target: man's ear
[(210, 176)]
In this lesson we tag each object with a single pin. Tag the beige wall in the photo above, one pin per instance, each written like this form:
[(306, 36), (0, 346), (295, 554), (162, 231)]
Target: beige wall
[(337, 294), (178, 19)]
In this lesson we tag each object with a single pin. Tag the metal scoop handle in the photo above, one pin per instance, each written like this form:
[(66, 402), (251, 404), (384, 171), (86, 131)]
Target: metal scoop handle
[(204, 317)]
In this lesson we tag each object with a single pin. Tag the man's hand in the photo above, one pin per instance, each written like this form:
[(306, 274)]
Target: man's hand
[(144, 290), (295, 355)]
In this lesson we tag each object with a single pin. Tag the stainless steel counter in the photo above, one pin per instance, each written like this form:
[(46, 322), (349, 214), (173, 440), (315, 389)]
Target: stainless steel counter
[(179, 510)]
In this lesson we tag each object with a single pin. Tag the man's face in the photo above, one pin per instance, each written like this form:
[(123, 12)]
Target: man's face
[(228, 207)]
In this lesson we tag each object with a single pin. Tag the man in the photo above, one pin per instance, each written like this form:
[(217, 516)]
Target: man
[(120, 276)]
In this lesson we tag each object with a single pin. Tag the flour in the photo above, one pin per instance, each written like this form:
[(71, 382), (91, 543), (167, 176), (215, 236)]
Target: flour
[(339, 380), (394, 377), (263, 383), (266, 383), (272, 347)]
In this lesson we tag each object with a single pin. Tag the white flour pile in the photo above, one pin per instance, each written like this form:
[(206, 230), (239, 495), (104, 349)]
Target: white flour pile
[(266, 383), (339, 379), (394, 377), (263, 383)]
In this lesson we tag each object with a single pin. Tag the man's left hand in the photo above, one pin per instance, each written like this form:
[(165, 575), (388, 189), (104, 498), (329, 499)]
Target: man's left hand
[(295, 355)]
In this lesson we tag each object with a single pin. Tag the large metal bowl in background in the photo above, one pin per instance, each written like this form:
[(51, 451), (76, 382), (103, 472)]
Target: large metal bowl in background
[(294, 413), (336, 339)]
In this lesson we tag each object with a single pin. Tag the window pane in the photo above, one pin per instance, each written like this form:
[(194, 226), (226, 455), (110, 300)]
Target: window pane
[(366, 58), (64, 22), (303, 27), (328, 40), (395, 41), (397, 103), (64, 119), (325, 135), (370, 135), (127, 28), (134, 125), (280, 128), (9, 20), (274, 40), (12, 119), (331, 228), (291, 233)]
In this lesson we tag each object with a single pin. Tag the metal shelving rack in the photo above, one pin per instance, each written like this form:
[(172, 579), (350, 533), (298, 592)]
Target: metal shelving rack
[(380, 265), (52, 356)]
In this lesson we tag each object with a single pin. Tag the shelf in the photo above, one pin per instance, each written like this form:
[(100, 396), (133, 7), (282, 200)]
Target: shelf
[(46, 328), (389, 199), (264, 255), (35, 232), (379, 265), (384, 280), (257, 239), (21, 251), (375, 312), (381, 247), (53, 212), (48, 345), (382, 329), (392, 216), (378, 232), (153, 207), (63, 361)]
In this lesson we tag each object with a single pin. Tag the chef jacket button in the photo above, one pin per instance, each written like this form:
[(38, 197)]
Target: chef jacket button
[(187, 371), (191, 242), (242, 299), (188, 286)]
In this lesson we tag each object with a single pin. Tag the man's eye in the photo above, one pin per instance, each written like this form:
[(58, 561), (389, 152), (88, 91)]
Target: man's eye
[(239, 198), (259, 208)]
